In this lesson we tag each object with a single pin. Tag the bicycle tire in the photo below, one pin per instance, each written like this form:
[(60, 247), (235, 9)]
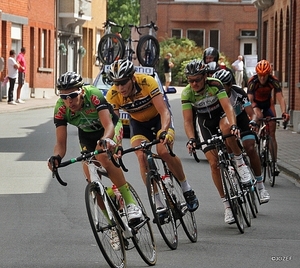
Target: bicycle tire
[(143, 238), (187, 218), (101, 227), (243, 199), (148, 51), (165, 221), (110, 48), (232, 198), (271, 162)]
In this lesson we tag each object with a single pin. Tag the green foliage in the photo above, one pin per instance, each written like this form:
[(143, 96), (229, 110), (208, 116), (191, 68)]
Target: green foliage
[(123, 12), (183, 51)]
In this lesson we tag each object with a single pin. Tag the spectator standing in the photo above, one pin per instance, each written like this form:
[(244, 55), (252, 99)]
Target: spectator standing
[(168, 65), (238, 66), (21, 77), (12, 67)]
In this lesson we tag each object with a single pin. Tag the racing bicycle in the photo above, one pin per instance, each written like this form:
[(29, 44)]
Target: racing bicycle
[(148, 47), (162, 185), (109, 223), (111, 46)]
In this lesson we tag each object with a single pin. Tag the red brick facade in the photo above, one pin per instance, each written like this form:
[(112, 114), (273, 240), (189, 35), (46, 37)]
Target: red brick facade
[(35, 19), (280, 36)]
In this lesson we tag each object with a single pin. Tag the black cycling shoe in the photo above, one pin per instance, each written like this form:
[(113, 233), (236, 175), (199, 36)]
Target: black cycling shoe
[(191, 200), (162, 214)]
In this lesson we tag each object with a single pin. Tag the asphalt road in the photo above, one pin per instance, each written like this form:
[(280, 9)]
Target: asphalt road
[(43, 224)]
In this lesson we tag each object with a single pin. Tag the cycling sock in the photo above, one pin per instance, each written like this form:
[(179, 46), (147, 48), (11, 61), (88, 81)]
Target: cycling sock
[(185, 186), (225, 203), (127, 196), (239, 160), (158, 202), (259, 182)]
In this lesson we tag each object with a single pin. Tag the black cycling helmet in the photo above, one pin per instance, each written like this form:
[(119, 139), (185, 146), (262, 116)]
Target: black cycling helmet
[(211, 51), (195, 67), (69, 80), (224, 76), (120, 69)]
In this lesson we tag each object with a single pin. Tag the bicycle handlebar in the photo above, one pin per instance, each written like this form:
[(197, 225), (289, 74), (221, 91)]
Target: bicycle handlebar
[(84, 156), (143, 146), (111, 23), (149, 25), (268, 119)]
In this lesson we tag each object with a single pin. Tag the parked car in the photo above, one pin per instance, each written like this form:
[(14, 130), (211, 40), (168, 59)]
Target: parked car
[(103, 83)]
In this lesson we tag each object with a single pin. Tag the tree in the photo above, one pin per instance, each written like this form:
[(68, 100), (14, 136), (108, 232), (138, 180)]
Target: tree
[(124, 12)]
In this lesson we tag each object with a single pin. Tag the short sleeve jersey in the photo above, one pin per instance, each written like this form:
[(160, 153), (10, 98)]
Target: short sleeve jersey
[(141, 107), (262, 93), (87, 118), (205, 103), (239, 99)]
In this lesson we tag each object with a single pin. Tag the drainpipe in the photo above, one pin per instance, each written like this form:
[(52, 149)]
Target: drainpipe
[(56, 12), (290, 61), (259, 20)]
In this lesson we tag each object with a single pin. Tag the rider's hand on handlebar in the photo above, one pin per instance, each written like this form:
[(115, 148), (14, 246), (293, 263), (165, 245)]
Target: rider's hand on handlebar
[(166, 136), (108, 144), (54, 162), (191, 145), (235, 131), (286, 117), (253, 126)]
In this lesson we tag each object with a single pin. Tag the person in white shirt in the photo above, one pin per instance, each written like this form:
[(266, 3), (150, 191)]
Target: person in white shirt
[(12, 67), (238, 66)]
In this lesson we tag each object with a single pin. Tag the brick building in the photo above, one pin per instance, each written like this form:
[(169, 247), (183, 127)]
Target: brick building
[(280, 33), (29, 24)]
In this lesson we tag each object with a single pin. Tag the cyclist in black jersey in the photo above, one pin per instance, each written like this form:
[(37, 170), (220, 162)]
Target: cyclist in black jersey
[(243, 110), (207, 97), (87, 109)]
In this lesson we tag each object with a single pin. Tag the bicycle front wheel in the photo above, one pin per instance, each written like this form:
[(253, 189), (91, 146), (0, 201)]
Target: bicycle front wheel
[(143, 237), (110, 48), (187, 218), (270, 152), (107, 234), (231, 195), (148, 51), (162, 209)]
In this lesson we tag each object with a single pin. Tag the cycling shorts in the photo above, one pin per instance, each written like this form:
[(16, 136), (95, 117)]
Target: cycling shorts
[(88, 140), (146, 130)]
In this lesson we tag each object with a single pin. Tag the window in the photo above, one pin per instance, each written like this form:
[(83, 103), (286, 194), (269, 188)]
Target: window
[(197, 36), (214, 38), (177, 33), (245, 33), (248, 49), (43, 47)]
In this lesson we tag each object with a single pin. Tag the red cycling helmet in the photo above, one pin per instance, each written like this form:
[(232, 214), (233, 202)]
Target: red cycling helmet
[(263, 67)]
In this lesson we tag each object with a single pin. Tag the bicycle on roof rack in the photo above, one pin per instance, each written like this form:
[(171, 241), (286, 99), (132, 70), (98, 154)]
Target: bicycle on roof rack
[(148, 46), (111, 46), (109, 220)]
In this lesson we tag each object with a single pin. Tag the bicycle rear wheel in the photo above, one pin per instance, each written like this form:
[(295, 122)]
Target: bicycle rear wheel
[(271, 162), (187, 218), (163, 215), (110, 48), (107, 233), (232, 198), (148, 51), (143, 237)]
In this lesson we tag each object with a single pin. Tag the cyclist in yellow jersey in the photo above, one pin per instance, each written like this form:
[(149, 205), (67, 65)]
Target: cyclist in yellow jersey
[(139, 95)]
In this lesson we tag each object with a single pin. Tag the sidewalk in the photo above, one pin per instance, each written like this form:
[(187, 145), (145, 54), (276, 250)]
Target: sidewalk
[(288, 141)]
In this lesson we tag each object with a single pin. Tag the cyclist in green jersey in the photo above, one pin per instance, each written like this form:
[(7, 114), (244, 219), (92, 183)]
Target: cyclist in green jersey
[(86, 108), (207, 97)]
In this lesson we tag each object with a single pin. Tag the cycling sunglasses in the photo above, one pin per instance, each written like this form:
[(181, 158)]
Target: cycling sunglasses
[(122, 82), (195, 80), (71, 95)]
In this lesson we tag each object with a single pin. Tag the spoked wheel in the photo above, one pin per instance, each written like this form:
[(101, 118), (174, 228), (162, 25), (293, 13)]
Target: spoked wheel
[(143, 238), (148, 51), (107, 233), (232, 198), (162, 210), (110, 48), (262, 156), (243, 201), (271, 162), (181, 212)]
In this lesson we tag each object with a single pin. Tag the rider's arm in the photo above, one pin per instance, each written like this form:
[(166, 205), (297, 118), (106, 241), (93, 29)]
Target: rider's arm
[(188, 123), (163, 110), (60, 147), (228, 109), (107, 123)]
